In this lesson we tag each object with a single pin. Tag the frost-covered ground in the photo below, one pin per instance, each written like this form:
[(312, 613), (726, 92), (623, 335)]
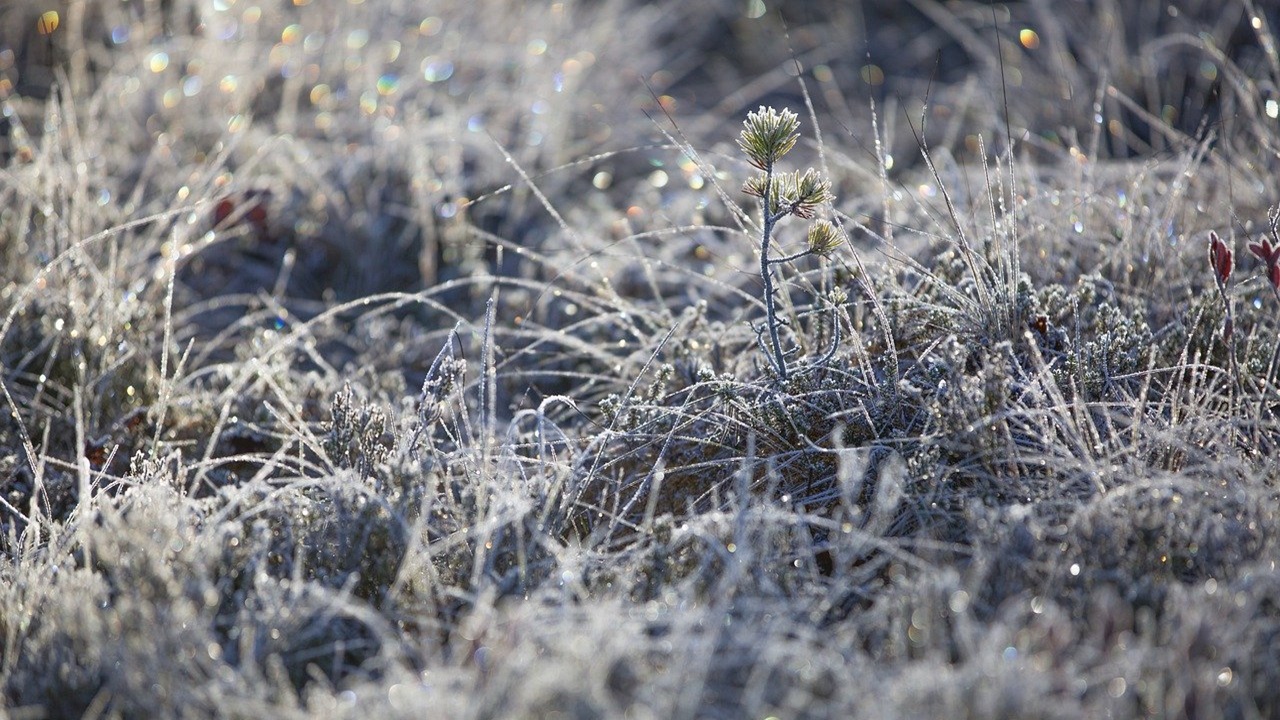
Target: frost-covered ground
[(396, 359)]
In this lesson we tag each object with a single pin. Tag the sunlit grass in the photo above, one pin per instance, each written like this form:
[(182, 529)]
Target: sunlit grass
[(420, 360)]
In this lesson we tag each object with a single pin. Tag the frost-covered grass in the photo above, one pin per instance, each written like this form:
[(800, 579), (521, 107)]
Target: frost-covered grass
[(403, 359)]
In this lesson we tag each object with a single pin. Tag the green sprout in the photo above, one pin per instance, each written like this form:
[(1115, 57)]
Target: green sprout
[(768, 135)]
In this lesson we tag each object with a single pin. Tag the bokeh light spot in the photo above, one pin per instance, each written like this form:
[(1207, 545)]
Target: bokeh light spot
[(436, 69), (48, 22), (387, 84), (430, 26)]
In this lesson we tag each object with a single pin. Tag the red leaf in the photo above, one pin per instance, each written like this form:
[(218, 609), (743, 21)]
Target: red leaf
[(1270, 255), (1265, 251), (1220, 258)]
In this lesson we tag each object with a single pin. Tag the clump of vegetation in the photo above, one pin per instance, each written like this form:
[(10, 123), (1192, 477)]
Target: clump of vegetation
[(403, 363)]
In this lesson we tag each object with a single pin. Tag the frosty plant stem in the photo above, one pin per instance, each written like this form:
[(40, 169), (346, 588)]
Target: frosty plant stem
[(766, 136), (1222, 261)]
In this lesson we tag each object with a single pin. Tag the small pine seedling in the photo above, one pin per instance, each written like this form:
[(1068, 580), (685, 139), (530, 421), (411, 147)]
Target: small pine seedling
[(768, 135)]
